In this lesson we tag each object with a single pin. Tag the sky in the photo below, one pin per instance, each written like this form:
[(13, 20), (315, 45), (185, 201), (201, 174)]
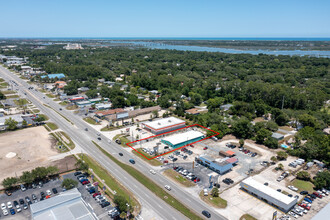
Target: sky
[(169, 18)]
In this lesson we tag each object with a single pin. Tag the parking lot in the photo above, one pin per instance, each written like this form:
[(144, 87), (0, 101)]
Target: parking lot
[(102, 213), (18, 194)]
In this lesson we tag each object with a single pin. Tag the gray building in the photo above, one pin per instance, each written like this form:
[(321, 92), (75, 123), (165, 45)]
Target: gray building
[(17, 118), (269, 195), (68, 205)]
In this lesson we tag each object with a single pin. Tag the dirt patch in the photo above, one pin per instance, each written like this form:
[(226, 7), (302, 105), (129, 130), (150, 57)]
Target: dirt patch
[(32, 146), (65, 164)]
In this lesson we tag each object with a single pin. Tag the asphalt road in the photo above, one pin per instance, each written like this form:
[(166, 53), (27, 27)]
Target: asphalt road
[(83, 139)]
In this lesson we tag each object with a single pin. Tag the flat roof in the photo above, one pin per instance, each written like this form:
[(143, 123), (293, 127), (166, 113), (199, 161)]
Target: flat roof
[(323, 214), (268, 191), (182, 137), (67, 205), (163, 123)]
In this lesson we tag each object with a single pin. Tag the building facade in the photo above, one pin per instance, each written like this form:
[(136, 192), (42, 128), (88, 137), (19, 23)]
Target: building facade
[(182, 139), (164, 125)]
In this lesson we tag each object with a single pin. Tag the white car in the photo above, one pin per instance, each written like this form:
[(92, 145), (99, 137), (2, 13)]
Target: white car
[(3, 206), (4, 212), (48, 192), (19, 209), (9, 205), (293, 214), (167, 187), (152, 172), (206, 193)]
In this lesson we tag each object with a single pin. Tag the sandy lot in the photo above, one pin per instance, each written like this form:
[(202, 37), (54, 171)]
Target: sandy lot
[(33, 147)]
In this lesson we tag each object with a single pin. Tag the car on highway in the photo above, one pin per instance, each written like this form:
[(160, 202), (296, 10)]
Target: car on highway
[(132, 161), (99, 138), (206, 214), (152, 172), (121, 154), (60, 109), (168, 187), (86, 129)]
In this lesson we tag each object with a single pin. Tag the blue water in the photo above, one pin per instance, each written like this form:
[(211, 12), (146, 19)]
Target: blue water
[(284, 146), (152, 45)]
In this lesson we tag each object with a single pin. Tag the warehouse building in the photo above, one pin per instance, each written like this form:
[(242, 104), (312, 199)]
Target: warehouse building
[(164, 125), (183, 139), (269, 195), (68, 205), (221, 167)]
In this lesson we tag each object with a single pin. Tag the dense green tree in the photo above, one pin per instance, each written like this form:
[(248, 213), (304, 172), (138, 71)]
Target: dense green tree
[(308, 120), (39, 173), (262, 135), (11, 124), (281, 155), (242, 128), (303, 175), (26, 177), (2, 96), (81, 165), (322, 180), (215, 192), (120, 201), (279, 117), (69, 183), (9, 182), (118, 102), (271, 143)]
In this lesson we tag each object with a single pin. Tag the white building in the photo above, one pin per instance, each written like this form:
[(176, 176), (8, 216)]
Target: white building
[(268, 194), (164, 125), (182, 139), (75, 46)]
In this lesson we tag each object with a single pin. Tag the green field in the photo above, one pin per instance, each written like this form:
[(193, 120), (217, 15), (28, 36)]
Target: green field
[(50, 95), (157, 190), (303, 185), (122, 138)]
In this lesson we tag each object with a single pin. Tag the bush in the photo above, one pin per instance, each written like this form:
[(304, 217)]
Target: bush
[(322, 180), (281, 155), (303, 175)]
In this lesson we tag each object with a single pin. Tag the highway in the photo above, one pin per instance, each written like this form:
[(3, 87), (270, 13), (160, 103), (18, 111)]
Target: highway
[(83, 139)]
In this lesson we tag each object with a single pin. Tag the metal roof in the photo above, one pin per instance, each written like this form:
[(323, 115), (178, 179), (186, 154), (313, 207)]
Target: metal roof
[(268, 191), (66, 206), (182, 137), (323, 214), (163, 123)]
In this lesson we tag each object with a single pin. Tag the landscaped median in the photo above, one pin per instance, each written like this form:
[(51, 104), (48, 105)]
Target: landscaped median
[(91, 121), (52, 126), (178, 178), (216, 202), (123, 139), (148, 183), (153, 162)]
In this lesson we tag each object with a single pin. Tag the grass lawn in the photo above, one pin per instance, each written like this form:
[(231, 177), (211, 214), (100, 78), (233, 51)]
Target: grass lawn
[(36, 111), (59, 143), (110, 128), (1, 80), (178, 178), (50, 95), (4, 84), (56, 100), (303, 185), (109, 180), (45, 116), (148, 183), (52, 126), (63, 103), (7, 92), (21, 102), (91, 121), (122, 138), (72, 107), (287, 128), (247, 217), (217, 202), (153, 162)]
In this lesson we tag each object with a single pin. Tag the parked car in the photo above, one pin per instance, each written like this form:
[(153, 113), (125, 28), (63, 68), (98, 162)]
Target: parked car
[(21, 201), (9, 205), (48, 192), (23, 187), (54, 190), (77, 173), (15, 203), (3, 206), (105, 204), (25, 206), (34, 197), (5, 212), (206, 214), (85, 182), (42, 194), (303, 193), (317, 195), (205, 192), (12, 211), (96, 194)]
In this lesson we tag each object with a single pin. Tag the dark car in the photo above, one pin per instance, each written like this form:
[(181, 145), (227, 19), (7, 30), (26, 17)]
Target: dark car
[(132, 161), (279, 190), (77, 173), (99, 138), (15, 203), (8, 193), (105, 204), (42, 194), (121, 154), (175, 159), (54, 190), (206, 213), (60, 109), (303, 193), (290, 195), (34, 197), (21, 201), (12, 211)]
